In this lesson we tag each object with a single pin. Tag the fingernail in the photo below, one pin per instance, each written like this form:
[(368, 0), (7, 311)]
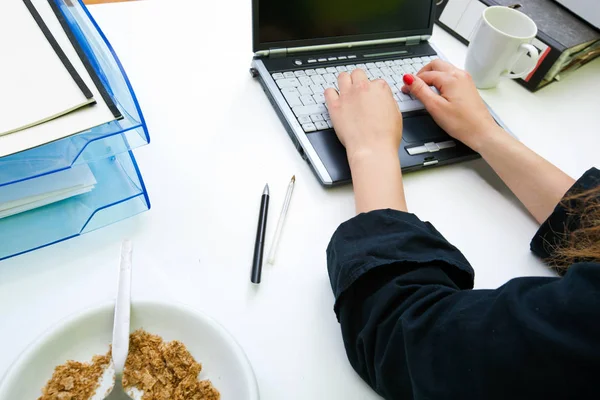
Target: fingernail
[(408, 79)]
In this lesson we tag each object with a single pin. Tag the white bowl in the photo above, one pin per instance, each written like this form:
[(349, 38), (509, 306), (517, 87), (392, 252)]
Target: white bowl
[(90, 332)]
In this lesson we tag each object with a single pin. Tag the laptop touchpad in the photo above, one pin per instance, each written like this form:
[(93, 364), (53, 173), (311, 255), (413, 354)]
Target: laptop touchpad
[(422, 129)]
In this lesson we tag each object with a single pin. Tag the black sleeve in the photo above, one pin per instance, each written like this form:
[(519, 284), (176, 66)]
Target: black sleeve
[(412, 328), (564, 218)]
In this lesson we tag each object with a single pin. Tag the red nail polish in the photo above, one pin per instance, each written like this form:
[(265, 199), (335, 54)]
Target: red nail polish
[(408, 79)]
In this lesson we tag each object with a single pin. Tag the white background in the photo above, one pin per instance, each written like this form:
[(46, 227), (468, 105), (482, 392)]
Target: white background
[(215, 142)]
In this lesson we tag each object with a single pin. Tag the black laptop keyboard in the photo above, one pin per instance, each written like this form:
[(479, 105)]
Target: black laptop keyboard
[(303, 88)]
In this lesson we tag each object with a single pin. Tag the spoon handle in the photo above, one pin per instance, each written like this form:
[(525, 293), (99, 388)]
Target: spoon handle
[(120, 341)]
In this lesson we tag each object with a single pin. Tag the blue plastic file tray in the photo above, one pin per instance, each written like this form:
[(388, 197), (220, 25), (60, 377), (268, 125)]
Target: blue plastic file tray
[(97, 143), (119, 193)]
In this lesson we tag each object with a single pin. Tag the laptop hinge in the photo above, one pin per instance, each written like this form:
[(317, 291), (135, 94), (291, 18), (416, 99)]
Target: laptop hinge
[(412, 40), (277, 52)]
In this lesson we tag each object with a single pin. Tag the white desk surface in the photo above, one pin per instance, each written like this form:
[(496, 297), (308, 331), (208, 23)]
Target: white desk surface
[(215, 142)]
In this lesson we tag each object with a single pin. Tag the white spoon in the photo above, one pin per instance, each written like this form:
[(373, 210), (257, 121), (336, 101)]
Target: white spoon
[(120, 339)]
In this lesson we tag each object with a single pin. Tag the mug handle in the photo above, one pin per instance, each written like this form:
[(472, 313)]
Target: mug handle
[(535, 55)]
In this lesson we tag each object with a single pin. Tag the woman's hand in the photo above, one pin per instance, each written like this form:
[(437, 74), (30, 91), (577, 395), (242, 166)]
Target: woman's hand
[(368, 122), (458, 109), (365, 115)]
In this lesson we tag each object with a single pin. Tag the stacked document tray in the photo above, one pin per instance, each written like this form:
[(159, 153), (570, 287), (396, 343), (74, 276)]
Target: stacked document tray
[(103, 154)]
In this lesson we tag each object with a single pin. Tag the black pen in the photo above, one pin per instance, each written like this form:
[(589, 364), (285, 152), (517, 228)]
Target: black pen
[(259, 244)]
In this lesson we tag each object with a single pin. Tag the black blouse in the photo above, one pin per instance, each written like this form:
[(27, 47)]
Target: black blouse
[(413, 328)]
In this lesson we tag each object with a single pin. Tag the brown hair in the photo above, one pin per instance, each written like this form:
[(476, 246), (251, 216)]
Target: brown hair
[(582, 243)]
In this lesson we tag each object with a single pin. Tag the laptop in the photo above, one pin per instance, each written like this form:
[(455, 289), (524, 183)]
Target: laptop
[(301, 46)]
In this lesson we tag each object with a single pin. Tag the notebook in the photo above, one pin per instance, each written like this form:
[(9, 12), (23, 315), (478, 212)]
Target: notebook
[(37, 81), (68, 124)]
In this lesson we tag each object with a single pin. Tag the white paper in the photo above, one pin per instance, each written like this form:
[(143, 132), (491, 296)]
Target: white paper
[(66, 125), (32, 193), (468, 22), (44, 201), (34, 83)]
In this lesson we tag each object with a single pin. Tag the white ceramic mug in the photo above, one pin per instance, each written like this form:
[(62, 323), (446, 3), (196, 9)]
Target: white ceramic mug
[(501, 37)]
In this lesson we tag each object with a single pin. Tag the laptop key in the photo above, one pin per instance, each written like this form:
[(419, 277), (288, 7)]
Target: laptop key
[(318, 80), (389, 63), (293, 100), (321, 71), (330, 78), (389, 80), (361, 66), (305, 81), (376, 72), (299, 74), (399, 62), (350, 68), (288, 83), (386, 71), (329, 123), (289, 75), (292, 91), (371, 65), (380, 64), (278, 75), (321, 125), (409, 69), (309, 127), (418, 66), (341, 68), (316, 117), (305, 91), (307, 100), (309, 110), (329, 85), (398, 79), (412, 105), (305, 119), (310, 72), (319, 98), (316, 89), (325, 116), (331, 70), (401, 95)]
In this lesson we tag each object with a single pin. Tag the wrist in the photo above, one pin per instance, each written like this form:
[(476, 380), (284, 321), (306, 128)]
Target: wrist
[(372, 156), (488, 138)]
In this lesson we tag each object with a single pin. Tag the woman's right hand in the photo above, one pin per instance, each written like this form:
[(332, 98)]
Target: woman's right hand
[(458, 109)]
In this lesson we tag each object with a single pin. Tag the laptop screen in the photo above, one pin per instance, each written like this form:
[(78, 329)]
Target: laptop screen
[(300, 20)]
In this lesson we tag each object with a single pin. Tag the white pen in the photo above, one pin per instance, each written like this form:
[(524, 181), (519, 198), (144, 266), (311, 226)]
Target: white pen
[(284, 210)]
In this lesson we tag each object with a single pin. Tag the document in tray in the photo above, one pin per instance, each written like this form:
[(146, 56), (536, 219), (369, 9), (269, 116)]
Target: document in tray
[(71, 123), (33, 193), (37, 82)]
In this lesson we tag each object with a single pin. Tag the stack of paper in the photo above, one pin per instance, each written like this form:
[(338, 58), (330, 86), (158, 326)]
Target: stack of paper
[(48, 89), (33, 193)]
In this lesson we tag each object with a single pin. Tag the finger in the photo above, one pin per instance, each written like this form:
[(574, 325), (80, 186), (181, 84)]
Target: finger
[(344, 82), (359, 75), (331, 96), (438, 65), (434, 78), (421, 90)]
